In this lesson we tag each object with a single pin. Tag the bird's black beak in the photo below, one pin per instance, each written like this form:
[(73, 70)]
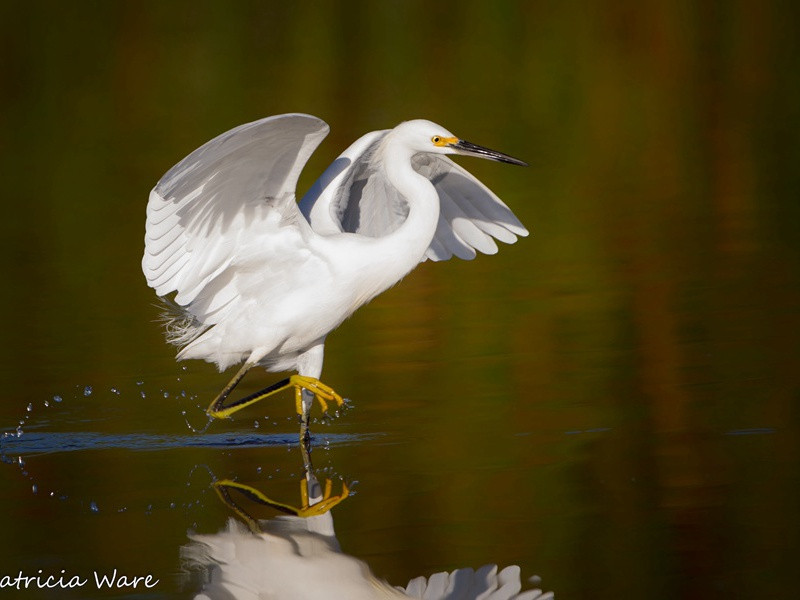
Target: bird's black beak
[(465, 147)]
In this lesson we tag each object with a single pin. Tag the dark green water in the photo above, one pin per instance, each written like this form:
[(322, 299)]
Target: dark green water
[(611, 403)]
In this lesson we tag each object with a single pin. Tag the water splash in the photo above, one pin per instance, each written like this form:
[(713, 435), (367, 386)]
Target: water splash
[(30, 439)]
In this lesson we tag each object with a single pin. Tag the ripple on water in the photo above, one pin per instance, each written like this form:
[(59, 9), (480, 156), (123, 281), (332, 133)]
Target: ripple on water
[(49, 442)]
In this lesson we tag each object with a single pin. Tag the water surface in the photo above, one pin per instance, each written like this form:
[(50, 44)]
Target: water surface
[(611, 403)]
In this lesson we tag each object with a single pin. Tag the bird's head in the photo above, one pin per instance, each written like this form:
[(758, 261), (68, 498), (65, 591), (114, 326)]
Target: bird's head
[(426, 136)]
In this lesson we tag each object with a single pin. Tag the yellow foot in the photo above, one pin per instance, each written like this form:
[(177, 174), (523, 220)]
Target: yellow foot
[(321, 506), (322, 392), (328, 501)]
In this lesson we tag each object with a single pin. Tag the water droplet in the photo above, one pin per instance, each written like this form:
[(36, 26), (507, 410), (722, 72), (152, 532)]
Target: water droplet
[(34, 489), (172, 505), (30, 407), (87, 391), (93, 507), (140, 383), (255, 424), (142, 394), (115, 391), (258, 469), (46, 404), (57, 398), (166, 394)]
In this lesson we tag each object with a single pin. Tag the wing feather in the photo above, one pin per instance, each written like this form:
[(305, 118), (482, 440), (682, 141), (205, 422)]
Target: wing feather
[(220, 196), (471, 214), (353, 194)]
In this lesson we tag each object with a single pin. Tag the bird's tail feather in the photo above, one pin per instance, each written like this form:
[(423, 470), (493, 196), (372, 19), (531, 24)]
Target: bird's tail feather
[(180, 326)]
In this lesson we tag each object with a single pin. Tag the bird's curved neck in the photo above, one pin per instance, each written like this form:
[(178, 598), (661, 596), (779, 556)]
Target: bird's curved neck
[(383, 261), (411, 240)]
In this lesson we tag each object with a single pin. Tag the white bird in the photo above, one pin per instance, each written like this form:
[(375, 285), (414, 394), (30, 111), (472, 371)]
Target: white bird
[(260, 279)]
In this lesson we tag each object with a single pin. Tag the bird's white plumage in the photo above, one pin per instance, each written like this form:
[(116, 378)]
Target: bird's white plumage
[(224, 233), (471, 214), (213, 203), (256, 279)]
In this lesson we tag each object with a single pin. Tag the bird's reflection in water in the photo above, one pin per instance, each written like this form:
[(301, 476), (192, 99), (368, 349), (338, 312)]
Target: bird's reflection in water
[(297, 556)]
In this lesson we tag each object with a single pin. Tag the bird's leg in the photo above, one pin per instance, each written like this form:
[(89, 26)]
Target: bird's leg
[(215, 409), (303, 401), (218, 411), (317, 389), (305, 448)]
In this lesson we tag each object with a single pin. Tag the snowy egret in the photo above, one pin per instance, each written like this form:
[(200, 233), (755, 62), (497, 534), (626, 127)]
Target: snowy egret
[(260, 279)]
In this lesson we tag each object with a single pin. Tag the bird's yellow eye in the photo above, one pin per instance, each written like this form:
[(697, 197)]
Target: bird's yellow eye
[(439, 140)]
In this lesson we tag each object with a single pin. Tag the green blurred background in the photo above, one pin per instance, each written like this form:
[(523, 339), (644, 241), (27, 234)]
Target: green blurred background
[(611, 403)]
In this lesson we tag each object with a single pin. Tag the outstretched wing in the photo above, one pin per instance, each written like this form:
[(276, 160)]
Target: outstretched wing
[(471, 216), (205, 207), (353, 195)]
